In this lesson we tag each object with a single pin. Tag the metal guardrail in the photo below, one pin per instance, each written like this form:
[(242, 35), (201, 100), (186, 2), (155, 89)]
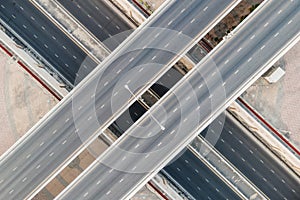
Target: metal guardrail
[(176, 186), (225, 170), (35, 55), (97, 54)]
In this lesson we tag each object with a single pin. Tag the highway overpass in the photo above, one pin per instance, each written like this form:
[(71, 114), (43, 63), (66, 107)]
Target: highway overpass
[(62, 134), (150, 144), (244, 151)]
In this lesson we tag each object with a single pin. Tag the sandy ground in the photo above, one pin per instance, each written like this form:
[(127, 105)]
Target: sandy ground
[(150, 5), (279, 102), (22, 101), (231, 20), (290, 104)]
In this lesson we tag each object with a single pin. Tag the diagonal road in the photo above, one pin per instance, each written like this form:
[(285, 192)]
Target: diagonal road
[(64, 133), (197, 179), (43, 36), (140, 153), (247, 154), (256, 162), (98, 17)]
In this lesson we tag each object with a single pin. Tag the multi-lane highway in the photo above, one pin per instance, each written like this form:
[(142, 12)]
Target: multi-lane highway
[(98, 17), (188, 171), (256, 162), (197, 179), (171, 124), (248, 155), (49, 41), (166, 82), (100, 98), (235, 143)]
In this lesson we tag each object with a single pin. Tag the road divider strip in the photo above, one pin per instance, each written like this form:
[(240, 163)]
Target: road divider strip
[(268, 138), (95, 49), (31, 66), (219, 165)]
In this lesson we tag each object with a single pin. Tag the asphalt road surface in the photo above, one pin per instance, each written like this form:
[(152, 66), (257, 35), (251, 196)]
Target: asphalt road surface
[(235, 143), (196, 178), (49, 41), (136, 110), (169, 125), (256, 162), (100, 98), (98, 17)]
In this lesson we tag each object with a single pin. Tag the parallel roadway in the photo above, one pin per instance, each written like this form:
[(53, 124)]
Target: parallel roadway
[(79, 118), (98, 18), (172, 123), (48, 40)]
